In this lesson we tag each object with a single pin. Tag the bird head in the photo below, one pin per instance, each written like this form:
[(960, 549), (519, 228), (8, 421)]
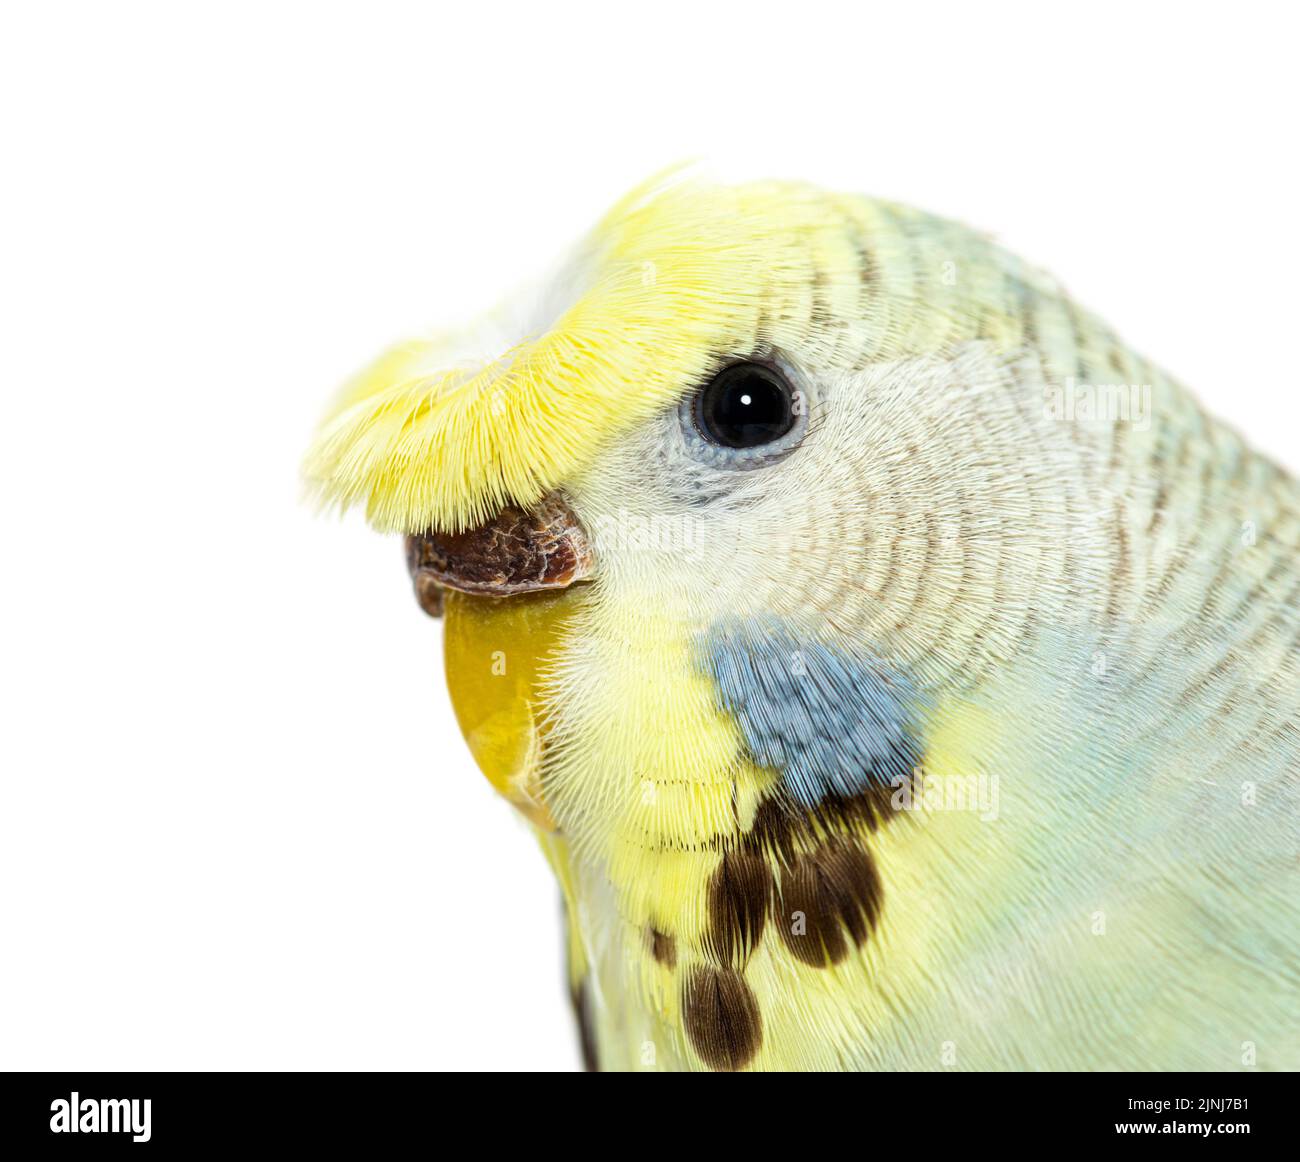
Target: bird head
[(753, 440)]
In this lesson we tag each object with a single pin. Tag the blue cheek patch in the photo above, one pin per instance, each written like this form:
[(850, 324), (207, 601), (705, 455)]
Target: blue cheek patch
[(832, 722)]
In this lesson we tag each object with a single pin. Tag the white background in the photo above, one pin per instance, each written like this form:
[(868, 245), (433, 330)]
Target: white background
[(238, 827)]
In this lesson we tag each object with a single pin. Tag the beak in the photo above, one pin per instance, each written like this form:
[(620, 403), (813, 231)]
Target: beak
[(518, 551)]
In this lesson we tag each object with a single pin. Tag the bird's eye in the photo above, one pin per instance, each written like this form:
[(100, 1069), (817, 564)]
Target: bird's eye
[(744, 406)]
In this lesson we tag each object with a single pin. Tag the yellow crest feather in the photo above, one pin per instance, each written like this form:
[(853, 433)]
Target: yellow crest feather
[(674, 278)]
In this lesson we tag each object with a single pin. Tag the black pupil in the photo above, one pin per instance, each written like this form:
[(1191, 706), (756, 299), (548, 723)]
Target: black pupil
[(746, 405)]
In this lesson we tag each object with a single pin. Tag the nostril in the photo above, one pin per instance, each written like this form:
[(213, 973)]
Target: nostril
[(518, 551)]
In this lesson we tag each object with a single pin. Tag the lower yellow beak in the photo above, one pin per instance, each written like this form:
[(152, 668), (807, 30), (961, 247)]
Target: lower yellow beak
[(495, 649)]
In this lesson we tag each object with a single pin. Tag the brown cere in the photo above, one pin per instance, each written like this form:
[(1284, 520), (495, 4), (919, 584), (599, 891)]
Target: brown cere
[(722, 1018), (517, 551), (740, 892), (663, 947), (428, 594), (838, 895)]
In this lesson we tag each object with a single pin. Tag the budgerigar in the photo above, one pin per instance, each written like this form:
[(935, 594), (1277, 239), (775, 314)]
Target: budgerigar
[(898, 672)]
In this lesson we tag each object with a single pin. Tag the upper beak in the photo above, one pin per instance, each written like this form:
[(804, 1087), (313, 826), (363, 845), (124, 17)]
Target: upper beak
[(517, 551)]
